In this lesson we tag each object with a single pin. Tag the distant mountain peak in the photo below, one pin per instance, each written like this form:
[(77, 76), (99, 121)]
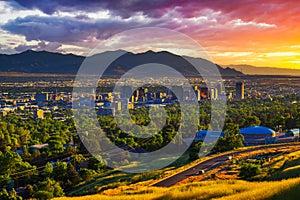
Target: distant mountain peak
[(58, 63), (150, 51)]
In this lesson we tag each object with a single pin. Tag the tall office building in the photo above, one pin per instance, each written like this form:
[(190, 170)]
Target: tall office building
[(148, 96), (204, 92), (178, 92), (136, 94), (198, 95), (220, 87), (141, 93), (240, 90), (158, 95), (38, 114), (41, 97), (216, 93), (125, 91), (212, 93)]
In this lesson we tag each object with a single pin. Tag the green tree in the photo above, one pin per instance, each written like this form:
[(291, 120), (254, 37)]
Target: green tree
[(48, 189), (86, 174), (96, 164), (194, 150), (55, 145), (249, 170), (229, 142), (72, 176), (4, 195), (28, 191), (60, 171), (48, 169), (76, 159), (252, 121)]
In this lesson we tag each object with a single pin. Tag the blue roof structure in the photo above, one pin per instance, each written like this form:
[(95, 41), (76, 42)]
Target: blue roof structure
[(212, 135), (256, 130)]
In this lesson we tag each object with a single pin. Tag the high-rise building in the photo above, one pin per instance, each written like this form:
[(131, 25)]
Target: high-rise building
[(158, 95), (41, 97), (178, 92), (136, 95), (130, 105), (38, 114), (132, 99), (198, 95), (117, 105), (216, 93), (141, 93), (240, 90), (99, 97), (126, 91), (220, 87), (212, 93), (204, 92), (148, 96)]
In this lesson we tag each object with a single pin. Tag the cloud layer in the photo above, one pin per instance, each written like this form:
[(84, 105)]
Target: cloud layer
[(220, 26)]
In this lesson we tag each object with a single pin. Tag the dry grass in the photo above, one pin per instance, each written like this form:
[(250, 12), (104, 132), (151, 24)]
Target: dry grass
[(220, 189)]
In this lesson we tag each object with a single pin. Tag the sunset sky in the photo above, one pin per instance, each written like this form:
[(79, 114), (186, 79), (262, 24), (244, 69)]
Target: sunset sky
[(260, 33)]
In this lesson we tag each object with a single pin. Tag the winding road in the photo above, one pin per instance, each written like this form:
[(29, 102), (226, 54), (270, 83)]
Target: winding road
[(215, 162)]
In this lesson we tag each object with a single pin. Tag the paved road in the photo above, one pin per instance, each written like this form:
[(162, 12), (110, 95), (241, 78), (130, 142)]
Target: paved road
[(211, 164)]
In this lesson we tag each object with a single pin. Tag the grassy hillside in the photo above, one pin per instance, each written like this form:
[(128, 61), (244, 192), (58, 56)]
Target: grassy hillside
[(279, 180), (220, 189)]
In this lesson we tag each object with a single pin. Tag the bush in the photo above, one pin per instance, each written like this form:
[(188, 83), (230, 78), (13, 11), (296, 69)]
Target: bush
[(28, 191), (249, 170), (43, 195), (48, 189), (4, 195), (194, 150), (86, 174), (229, 142), (95, 164)]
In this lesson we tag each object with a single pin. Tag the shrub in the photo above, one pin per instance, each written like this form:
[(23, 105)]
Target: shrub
[(249, 170), (43, 195), (86, 174), (229, 142), (194, 150)]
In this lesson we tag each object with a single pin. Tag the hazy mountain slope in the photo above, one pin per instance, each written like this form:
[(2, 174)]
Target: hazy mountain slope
[(252, 70)]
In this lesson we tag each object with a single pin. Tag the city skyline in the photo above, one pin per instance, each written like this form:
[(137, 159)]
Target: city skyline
[(161, 99), (252, 32)]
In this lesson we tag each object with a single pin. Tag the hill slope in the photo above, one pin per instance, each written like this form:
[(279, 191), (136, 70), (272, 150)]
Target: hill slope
[(56, 63), (220, 189), (252, 70)]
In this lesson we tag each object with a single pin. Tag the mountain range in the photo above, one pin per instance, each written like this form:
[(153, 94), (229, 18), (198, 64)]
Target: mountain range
[(56, 63), (252, 70)]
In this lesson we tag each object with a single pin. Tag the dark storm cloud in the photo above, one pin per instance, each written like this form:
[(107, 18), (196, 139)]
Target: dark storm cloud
[(247, 10), (50, 46), (24, 47), (123, 8), (65, 29)]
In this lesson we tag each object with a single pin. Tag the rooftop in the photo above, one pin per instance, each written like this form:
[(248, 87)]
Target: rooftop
[(256, 130)]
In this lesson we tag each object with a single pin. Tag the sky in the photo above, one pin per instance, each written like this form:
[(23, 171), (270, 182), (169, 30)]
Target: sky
[(253, 32)]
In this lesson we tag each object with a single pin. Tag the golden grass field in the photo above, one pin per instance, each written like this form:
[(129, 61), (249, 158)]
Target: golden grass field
[(220, 189), (284, 183)]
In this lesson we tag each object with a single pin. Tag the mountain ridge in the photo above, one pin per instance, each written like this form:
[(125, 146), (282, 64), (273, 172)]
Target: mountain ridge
[(253, 70), (57, 63)]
